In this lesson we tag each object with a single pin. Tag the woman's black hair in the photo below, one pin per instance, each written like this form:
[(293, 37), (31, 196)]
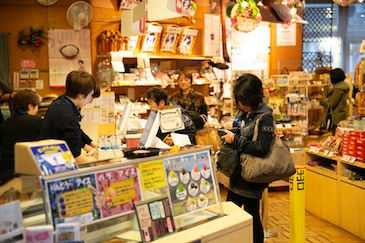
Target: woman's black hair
[(157, 94), (23, 98), (337, 75), (81, 82), (248, 90)]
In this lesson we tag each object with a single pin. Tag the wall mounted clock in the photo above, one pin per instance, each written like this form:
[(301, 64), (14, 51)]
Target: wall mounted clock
[(46, 2)]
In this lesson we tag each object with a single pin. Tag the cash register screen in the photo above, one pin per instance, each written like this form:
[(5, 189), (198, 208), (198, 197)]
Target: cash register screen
[(123, 122), (150, 130)]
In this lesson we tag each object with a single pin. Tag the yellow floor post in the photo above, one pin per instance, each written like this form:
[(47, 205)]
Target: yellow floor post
[(297, 205)]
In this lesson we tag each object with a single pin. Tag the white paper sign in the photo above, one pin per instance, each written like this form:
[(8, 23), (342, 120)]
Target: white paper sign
[(286, 34), (171, 120)]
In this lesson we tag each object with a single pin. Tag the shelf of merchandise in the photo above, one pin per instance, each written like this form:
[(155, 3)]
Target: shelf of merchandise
[(332, 196), (302, 85)]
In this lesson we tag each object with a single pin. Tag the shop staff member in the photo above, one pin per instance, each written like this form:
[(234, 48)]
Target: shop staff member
[(23, 126), (157, 99), (62, 119), (192, 101)]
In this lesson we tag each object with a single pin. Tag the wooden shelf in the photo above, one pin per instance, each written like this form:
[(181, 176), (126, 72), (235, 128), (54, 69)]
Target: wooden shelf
[(324, 171), (356, 164), (129, 54), (334, 197), (360, 184)]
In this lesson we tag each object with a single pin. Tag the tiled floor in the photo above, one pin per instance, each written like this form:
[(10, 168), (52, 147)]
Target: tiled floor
[(316, 229)]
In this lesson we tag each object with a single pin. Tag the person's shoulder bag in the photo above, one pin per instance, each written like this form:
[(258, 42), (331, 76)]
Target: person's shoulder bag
[(276, 165), (228, 159), (327, 121)]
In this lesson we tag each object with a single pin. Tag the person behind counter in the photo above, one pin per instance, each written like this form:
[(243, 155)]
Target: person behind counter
[(190, 100), (249, 97), (23, 126), (62, 119), (157, 99)]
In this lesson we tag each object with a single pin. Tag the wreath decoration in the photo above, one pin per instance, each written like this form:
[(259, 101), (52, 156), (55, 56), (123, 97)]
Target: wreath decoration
[(244, 14)]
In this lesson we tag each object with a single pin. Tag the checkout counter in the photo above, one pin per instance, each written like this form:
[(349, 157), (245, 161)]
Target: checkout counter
[(103, 197)]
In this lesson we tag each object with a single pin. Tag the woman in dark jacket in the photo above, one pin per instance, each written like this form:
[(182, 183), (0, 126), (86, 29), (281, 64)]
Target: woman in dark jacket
[(23, 126), (249, 97), (336, 97)]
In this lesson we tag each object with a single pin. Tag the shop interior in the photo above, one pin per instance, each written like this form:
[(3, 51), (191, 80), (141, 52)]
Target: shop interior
[(131, 46)]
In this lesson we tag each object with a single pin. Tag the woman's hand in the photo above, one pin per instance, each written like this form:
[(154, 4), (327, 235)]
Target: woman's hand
[(229, 136)]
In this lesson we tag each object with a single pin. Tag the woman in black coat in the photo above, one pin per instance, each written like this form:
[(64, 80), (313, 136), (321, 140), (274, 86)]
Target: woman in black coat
[(249, 97)]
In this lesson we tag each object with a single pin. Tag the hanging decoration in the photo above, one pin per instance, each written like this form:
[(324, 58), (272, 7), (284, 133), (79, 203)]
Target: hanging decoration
[(295, 7), (34, 36), (345, 3), (244, 14)]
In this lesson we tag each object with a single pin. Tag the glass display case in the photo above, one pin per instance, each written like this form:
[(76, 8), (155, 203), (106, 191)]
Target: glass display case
[(102, 198)]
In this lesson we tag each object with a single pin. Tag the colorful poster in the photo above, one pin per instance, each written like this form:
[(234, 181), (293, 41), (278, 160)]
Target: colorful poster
[(154, 218), (190, 182), (152, 175), (54, 158), (117, 190), (73, 199)]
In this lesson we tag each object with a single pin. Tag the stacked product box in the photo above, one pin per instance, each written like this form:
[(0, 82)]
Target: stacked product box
[(353, 143)]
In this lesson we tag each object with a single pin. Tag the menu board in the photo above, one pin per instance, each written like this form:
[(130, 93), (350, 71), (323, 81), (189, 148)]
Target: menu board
[(190, 182), (54, 158), (118, 189), (88, 197), (154, 218)]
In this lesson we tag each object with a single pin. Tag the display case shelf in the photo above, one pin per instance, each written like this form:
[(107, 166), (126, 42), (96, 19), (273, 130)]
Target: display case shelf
[(360, 184), (333, 196)]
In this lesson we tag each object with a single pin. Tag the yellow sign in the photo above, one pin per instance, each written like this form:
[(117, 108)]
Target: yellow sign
[(153, 175), (124, 191), (75, 203)]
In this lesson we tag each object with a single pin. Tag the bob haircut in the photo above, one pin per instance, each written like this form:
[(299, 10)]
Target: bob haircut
[(248, 90), (186, 75), (23, 98), (337, 75), (81, 82), (157, 94)]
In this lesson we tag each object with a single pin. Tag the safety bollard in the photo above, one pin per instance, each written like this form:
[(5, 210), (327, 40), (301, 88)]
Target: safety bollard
[(297, 205)]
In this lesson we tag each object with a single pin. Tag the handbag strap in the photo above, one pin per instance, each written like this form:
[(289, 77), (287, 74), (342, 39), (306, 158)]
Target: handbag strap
[(256, 128)]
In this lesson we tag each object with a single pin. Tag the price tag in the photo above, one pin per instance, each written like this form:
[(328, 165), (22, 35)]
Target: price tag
[(312, 149), (325, 153), (330, 154), (316, 150), (352, 159), (346, 158)]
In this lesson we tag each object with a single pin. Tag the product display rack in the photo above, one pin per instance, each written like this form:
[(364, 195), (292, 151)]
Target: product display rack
[(331, 195), (297, 112)]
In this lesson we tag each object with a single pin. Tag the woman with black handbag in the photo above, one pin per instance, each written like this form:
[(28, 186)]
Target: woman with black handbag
[(249, 98)]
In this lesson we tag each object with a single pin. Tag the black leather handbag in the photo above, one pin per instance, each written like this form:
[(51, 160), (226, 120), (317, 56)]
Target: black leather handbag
[(228, 159), (327, 122)]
